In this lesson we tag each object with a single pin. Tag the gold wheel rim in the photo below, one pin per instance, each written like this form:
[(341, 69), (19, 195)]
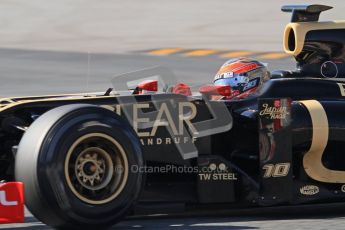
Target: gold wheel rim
[(120, 154)]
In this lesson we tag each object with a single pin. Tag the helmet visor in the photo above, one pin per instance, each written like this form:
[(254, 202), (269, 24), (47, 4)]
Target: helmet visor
[(236, 82)]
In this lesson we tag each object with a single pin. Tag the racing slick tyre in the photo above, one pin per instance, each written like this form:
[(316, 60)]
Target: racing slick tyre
[(75, 162)]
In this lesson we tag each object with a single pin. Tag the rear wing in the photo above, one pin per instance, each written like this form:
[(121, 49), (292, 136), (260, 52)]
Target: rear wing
[(305, 13)]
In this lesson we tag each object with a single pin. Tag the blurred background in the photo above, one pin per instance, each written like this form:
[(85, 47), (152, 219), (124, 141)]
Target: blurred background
[(71, 46), (118, 26)]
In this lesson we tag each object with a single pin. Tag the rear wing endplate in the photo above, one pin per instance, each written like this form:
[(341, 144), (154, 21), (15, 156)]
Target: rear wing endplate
[(305, 13)]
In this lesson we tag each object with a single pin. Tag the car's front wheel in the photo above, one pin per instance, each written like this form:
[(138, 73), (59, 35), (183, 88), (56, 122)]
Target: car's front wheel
[(75, 162)]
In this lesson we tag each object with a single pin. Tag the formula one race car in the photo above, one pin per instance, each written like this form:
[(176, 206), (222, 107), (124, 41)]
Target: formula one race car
[(89, 160)]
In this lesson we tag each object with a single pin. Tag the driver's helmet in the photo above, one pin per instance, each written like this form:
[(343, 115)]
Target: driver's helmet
[(243, 75)]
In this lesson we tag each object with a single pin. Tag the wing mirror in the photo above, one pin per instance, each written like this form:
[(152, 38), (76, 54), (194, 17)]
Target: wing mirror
[(146, 87), (214, 90)]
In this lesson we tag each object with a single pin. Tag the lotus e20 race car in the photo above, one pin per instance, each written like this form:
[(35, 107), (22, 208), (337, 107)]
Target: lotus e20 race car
[(90, 160)]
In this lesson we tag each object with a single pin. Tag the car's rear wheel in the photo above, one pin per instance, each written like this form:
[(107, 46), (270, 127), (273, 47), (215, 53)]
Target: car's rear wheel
[(75, 161)]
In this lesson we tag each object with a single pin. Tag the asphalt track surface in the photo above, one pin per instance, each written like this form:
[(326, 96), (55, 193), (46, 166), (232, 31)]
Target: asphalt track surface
[(113, 26), (24, 72)]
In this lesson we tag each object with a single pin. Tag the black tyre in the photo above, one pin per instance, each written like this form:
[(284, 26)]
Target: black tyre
[(75, 162)]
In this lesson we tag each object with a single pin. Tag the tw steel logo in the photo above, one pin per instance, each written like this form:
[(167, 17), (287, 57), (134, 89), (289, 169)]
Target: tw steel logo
[(4, 201)]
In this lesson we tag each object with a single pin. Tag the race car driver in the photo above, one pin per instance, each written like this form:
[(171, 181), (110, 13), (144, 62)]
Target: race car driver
[(243, 75)]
